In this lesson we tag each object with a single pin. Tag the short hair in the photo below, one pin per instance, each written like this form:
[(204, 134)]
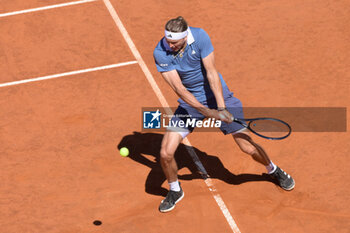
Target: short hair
[(178, 24)]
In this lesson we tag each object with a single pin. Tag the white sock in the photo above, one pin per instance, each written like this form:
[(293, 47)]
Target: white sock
[(271, 168), (175, 186)]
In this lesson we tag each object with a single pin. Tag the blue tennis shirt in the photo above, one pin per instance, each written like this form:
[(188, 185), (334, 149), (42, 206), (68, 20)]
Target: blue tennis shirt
[(189, 64)]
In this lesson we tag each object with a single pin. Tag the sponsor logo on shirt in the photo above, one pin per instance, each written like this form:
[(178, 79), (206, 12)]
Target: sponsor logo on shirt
[(163, 64)]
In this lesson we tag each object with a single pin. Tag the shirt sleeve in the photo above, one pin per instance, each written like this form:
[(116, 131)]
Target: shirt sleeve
[(205, 45), (163, 63)]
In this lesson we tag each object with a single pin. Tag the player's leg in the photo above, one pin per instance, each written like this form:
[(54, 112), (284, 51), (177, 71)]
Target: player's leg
[(170, 143), (171, 140), (247, 145)]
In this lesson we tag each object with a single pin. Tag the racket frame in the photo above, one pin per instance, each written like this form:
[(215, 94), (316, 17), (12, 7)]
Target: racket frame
[(242, 121)]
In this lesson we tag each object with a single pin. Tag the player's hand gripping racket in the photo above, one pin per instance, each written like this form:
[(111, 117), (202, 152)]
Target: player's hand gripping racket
[(269, 128)]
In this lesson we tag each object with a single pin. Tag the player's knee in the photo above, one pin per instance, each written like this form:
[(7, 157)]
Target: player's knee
[(165, 155)]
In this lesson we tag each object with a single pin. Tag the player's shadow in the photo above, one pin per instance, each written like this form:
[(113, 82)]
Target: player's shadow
[(144, 148)]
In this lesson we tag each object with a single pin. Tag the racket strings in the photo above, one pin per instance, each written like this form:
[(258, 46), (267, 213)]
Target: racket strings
[(270, 128)]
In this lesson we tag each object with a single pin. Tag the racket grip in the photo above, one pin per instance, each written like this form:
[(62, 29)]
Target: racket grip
[(232, 118)]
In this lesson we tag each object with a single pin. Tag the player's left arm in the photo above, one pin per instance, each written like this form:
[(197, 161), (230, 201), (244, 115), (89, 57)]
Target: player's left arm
[(214, 81)]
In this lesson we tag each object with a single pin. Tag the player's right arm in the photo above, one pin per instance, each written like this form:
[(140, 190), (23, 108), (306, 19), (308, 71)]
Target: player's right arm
[(173, 79)]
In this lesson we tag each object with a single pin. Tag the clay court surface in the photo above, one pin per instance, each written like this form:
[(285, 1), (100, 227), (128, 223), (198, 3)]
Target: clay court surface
[(60, 164)]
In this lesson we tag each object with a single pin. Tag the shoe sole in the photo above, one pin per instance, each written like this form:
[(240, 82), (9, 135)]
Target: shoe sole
[(164, 211)]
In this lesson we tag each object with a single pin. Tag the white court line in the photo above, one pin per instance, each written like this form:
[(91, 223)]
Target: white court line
[(165, 104), (67, 73), (44, 8)]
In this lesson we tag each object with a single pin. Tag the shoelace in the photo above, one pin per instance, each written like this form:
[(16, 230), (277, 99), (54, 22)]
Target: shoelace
[(281, 176), (170, 198)]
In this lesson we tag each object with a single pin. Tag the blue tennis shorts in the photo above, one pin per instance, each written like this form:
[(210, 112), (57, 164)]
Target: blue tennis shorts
[(185, 111)]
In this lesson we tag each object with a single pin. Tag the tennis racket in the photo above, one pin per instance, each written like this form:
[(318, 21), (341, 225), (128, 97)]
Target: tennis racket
[(269, 128)]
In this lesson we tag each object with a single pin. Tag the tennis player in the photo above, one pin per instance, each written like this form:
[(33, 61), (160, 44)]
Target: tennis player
[(185, 59)]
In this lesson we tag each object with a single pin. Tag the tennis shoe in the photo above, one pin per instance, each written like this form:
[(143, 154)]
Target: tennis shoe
[(285, 181), (170, 200)]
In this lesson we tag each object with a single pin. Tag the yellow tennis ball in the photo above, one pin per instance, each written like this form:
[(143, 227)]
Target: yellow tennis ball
[(124, 151)]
